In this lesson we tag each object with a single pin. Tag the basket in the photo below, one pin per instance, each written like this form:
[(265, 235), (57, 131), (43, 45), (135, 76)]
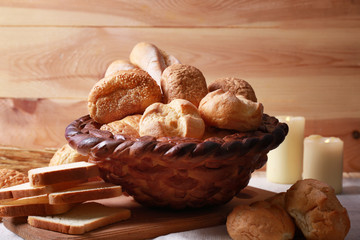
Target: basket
[(177, 172)]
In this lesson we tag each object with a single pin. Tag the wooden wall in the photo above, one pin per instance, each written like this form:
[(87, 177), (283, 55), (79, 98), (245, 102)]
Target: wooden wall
[(301, 57)]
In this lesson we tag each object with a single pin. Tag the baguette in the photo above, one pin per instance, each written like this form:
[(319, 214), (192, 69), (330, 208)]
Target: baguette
[(82, 218), (62, 173), (36, 205), (85, 192)]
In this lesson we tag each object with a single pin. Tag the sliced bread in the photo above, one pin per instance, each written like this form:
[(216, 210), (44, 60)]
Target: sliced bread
[(85, 192), (62, 173), (82, 218), (36, 205)]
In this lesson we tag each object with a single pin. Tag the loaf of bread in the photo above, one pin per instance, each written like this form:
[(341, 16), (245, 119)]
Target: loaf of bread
[(129, 125), (82, 218), (62, 173), (118, 65), (316, 210)]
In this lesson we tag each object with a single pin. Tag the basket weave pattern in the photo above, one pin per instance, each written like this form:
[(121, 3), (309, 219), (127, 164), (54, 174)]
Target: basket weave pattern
[(177, 172)]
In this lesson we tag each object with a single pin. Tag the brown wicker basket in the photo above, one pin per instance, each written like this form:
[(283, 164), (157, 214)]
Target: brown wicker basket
[(177, 172)]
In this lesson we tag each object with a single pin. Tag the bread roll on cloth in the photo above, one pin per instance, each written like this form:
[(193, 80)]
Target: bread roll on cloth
[(229, 111), (125, 93), (260, 220), (317, 211), (184, 82), (179, 118)]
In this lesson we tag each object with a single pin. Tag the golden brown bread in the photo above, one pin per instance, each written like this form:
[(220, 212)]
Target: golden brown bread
[(118, 65), (229, 111), (10, 177), (316, 210), (236, 85), (179, 118), (66, 154), (260, 220), (125, 93), (129, 125), (184, 82)]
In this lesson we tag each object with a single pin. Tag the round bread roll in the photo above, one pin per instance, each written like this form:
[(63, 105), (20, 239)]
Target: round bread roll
[(125, 93), (260, 220), (229, 111), (119, 65), (316, 210), (236, 85), (66, 154), (184, 82), (129, 125), (179, 118)]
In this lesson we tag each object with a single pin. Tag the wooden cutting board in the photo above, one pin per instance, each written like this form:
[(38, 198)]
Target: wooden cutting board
[(145, 222)]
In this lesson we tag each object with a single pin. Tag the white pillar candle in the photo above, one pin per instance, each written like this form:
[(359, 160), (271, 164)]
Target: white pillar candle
[(284, 163), (323, 160)]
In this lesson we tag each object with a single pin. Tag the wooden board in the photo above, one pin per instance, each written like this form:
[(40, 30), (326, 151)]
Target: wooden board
[(145, 222)]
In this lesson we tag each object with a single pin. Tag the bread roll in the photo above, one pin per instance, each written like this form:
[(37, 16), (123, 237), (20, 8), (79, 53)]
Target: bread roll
[(126, 93), (184, 82), (317, 211), (260, 220), (10, 177), (180, 118), (126, 126), (235, 85), (229, 111)]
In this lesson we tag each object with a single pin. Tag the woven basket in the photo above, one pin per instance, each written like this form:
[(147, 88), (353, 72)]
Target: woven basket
[(177, 172)]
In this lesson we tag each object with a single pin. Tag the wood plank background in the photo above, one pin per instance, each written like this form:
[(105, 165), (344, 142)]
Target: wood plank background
[(301, 57)]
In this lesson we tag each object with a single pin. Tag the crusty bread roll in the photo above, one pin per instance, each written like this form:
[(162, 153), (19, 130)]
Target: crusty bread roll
[(316, 210), (260, 220), (179, 118), (236, 85), (229, 111), (129, 125), (66, 154), (118, 65), (125, 93), (184, 82), (151, 59)]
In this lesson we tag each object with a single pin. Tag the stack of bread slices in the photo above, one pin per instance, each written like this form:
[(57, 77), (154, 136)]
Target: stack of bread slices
[(56, 196)]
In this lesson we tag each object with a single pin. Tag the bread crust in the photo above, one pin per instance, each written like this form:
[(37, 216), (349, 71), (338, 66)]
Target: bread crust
[(129, 125), (229, 111), (316, 210), (65, 155), (235, 85), (125, 93), (184, 82), (260, 220), (180, 118)]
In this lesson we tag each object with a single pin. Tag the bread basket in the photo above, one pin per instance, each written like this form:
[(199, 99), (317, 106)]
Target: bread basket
[(177, 172)]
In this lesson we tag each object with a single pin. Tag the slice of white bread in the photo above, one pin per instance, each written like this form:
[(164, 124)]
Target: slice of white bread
[(85, 192), (62, 173), (36, 205), (82, 218)]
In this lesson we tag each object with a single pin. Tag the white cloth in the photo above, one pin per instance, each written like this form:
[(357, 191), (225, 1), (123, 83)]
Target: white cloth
[(350, 199)]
